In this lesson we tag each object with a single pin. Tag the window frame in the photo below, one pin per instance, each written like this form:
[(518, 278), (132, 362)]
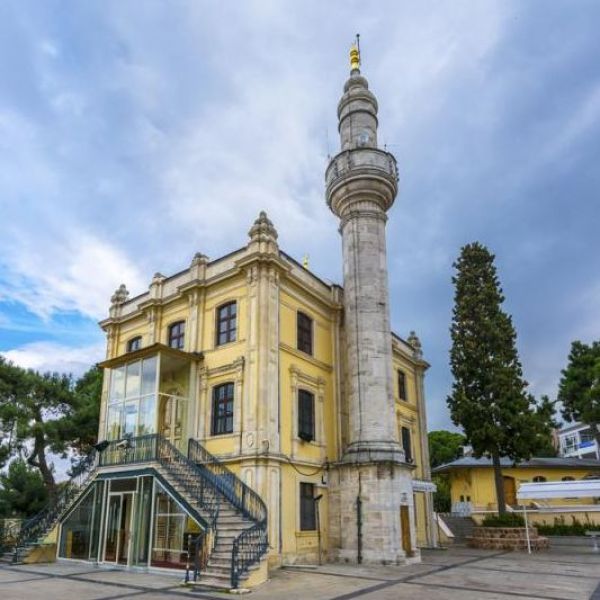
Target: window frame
[(137, 341), (179, 336), (228, 413), (230, 333), (407, 444), (308, 520), (306, 418), (539, 479), (402, 390), (304, 334)]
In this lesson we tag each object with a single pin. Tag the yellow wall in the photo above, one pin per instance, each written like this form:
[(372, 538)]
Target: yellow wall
[(476, 485)]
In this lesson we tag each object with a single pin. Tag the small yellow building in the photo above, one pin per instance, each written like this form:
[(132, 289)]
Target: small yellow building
[(473, 490)]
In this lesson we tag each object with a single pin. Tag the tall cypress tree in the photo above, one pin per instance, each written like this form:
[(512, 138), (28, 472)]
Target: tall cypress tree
[(489, 397)]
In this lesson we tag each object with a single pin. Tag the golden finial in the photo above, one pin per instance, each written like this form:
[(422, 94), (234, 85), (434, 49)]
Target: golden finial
[(355, 54), (305, 261)]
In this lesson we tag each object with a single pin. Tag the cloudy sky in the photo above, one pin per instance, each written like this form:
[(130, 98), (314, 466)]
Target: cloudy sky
[(134, 134)]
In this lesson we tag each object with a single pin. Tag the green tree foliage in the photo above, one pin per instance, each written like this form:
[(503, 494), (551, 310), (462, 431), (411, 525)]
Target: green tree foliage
[(46, 414), (444, 447), (579, 387), (489, 397), (22, 490)]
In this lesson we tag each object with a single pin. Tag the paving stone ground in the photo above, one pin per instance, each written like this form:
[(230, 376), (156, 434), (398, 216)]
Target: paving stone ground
[(562, 573)]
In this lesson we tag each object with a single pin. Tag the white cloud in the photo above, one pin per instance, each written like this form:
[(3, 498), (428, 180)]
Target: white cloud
[(49, 356)]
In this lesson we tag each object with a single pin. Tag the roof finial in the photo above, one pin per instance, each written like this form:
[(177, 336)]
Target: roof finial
[(355, 54)]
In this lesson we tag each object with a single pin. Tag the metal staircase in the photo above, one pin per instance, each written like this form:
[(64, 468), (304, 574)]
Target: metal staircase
[(233, 517), (18, 546)]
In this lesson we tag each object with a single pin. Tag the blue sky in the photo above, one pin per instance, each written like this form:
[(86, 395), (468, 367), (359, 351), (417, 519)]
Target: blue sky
[(134, 134)]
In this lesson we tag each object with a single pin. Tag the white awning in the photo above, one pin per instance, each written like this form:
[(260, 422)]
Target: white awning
[(420, 485), (587, 488)]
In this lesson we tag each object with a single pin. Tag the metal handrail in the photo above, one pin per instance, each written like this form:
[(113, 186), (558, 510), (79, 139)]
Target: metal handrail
[(252, 543), (241, 496), (248, 548), (154, 448), (41, 522)]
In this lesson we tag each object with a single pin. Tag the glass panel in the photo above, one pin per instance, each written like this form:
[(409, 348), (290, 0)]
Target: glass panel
[(147, 415), (117, 384), (113, 422), (132, 386), (149, 376), (125, 528), (112, 528), (77, 528), (172, 526), (97, 518), (123, 485), (142, 522), (130, 418)]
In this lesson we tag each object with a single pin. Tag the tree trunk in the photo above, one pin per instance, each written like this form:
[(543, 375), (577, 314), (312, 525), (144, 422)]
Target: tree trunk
[(38, 460), (499, 481)]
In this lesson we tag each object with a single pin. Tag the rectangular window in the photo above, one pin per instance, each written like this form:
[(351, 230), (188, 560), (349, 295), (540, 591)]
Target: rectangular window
[(306, 416), (177, 335), (226, 323), (406, 445), (308, 520), (402, 386), (304, 333), (222, 421)]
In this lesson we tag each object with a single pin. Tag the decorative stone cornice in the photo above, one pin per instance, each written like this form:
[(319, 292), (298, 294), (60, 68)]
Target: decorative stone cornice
[(263, 235)]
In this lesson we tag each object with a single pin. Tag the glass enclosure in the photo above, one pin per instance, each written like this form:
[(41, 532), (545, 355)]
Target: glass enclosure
[(80, 530), (128, 521), (149, 395)]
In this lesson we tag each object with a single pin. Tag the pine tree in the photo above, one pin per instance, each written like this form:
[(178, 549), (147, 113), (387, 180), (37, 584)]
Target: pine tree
[(489, 397), (579, 388)]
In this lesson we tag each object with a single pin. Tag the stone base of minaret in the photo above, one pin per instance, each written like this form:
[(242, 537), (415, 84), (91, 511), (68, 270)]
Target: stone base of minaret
[(371, 514)]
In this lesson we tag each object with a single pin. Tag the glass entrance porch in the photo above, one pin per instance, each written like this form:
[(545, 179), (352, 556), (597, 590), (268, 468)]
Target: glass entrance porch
[(128, 521)]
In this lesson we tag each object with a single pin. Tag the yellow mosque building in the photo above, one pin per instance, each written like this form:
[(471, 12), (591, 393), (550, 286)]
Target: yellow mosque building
[(254, 415)]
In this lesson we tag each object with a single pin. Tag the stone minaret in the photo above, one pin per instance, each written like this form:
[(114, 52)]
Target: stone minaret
[(372, 478)]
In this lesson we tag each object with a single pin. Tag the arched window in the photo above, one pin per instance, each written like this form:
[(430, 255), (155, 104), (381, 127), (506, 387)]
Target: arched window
[(177, 335), (568, 478), (222, 417), (539, 479), (226, 323), (134, 344)]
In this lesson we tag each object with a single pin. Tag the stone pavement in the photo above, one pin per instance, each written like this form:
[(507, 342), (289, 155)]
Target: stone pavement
[(562, 573)]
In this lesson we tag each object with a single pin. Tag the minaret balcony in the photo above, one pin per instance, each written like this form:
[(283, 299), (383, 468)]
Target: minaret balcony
[(359, 172)]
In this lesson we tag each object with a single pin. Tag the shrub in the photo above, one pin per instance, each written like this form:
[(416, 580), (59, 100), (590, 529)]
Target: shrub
[(505, 520), (560, 527)]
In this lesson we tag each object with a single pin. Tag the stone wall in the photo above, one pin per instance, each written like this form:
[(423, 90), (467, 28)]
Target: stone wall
[(506, 538)]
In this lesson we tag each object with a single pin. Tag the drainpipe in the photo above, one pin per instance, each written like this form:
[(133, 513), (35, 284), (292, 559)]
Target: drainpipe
[(359, 528)]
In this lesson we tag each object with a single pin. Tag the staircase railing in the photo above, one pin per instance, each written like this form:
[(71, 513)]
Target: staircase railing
[(40, 523), (248, 548), (252, 543), (241, 496), (197, 484)]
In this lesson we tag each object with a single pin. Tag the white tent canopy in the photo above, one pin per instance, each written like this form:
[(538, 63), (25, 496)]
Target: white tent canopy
[(585, 488)]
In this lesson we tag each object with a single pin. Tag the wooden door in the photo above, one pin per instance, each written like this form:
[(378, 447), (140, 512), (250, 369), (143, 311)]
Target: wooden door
[(510, 490), (405, 526)]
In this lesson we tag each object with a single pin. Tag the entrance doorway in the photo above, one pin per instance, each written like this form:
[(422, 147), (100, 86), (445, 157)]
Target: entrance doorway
[(171, 413), (405, 526), (510, 490), (117, 545)]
